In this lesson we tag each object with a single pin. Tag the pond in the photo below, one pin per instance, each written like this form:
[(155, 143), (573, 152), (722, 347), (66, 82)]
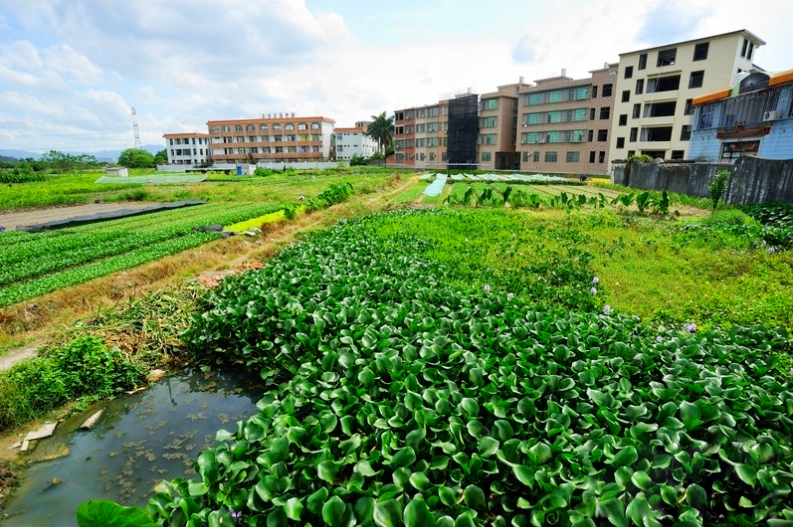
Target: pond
[(140, 440)]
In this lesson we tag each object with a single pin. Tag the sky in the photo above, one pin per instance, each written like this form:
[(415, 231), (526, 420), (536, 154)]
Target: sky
[(70, 71)]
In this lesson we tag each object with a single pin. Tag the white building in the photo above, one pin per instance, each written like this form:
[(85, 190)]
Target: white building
[(655, 87), (353, 141), (189, 148)]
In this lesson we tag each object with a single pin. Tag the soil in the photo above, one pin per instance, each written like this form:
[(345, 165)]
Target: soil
[(13, 220)]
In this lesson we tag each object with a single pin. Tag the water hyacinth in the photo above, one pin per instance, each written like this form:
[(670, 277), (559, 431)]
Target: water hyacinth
[(691, 328), (596, 280), (236, 516), (772, 250), (594, 291), (487, 288), (510, 296), (659, 339), (607, 309)]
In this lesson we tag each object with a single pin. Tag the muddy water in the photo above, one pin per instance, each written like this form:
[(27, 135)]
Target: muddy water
[(140, 440)]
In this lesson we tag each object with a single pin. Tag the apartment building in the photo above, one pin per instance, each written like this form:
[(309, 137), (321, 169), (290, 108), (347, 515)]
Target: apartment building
[(656, 88), (565, 123), (421, 135), (282, 138), (752, 117), (191, 148), (353, 142), (498, 119)]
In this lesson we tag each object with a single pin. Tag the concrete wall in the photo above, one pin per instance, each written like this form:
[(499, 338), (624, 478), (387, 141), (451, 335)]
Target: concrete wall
[(753, 180)]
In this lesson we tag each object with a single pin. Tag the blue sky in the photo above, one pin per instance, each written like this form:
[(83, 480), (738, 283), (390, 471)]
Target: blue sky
[(71, 70)]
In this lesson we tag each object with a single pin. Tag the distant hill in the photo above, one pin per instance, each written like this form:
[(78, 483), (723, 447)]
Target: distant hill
[(101, 155)]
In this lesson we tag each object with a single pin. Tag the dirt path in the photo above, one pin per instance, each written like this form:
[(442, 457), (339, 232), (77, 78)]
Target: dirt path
[(17, 355), (13, 220)]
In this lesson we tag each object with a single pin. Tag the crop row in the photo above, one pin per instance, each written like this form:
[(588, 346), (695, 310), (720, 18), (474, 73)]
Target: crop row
[(398, 399), (76, 275)]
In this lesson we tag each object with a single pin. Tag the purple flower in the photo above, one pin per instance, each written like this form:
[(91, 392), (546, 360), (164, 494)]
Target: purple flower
[(772, 250), (236, 516), (593, 291), (487, 288), (510, 296), (595, 280), (607, 309), (691, 328), (659, 338)]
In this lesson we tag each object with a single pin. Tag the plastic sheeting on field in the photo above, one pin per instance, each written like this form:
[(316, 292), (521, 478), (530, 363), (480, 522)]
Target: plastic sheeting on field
[(110, 215), (510, 178), (154, 179), (436, 187)]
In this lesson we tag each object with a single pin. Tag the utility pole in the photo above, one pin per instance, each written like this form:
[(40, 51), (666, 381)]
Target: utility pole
[(135, 129)]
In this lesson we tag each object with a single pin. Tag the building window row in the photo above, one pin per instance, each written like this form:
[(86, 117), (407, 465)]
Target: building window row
[(579, 93), (488, 104), (186, 151), (558, 116), (264, 126), (556, 136), (487, 122), (187, 141), (267, 138)]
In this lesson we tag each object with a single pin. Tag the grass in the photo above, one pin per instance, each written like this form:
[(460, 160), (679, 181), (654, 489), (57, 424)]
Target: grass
[(646, 267), (75, 189)]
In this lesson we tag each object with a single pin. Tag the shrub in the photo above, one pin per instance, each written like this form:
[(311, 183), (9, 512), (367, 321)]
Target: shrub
[(263, 172), (718, 186), (358, 160)]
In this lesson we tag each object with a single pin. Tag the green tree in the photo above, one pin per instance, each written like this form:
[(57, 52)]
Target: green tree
[(381, 130), (135, 158), (161, 157)]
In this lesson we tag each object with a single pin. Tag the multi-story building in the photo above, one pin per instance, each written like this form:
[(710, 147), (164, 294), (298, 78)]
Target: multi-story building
[(657, 86), (191, 148), (754, 116), (353, 142), (283, 139), (421, 135), (565, 123), (498, 119)]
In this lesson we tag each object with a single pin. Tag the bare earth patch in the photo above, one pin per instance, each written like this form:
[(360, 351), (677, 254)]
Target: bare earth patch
[(13, 220)]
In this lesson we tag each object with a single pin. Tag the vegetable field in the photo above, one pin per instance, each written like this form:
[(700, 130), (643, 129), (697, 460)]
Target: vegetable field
[(405, 392), (33, 264)]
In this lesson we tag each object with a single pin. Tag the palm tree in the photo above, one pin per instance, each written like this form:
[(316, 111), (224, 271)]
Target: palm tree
[(381, 130)]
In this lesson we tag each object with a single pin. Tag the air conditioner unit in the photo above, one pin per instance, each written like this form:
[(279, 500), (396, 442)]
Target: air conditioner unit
[(770, 115)]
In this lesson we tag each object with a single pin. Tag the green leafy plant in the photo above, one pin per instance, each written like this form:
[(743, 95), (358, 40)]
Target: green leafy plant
[(718, 187), (643, 201), (96, 513)]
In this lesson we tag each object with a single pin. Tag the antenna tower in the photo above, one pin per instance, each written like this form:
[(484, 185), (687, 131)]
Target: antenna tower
[(135, 128)]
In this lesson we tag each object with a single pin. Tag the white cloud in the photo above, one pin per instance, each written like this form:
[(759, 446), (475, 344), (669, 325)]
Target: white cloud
[(64, 59)]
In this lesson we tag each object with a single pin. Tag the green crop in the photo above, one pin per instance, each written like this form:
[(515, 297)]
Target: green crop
[(398, 399)]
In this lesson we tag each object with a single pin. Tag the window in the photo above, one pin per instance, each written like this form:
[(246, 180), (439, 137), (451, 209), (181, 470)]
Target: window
[(660, 109), (637, 110), (526, 157), (634, 135), (534, 99), (743, 48), (696, 79), (536, 157), (487, 156), (550, 157), (262, 126), (603, 135), (667, 57), (685, 133), (678, 154), (289, 126), (276, 126), (701, 51), (225, 128), (250, 128), (605, 112), (594, 91), (553, 137), (631, 153), (689, 107), (590, 135), (749, 53), (572, 157), (171, 140), (639, 86), (238, 128), (579, 114), (172, 151), (592, 156), (487, 139), (628, 72), (642, 61), (655, 134), (490, 104), (213, 130), (556, 96), (607, 90), (315, 126), (591, 114), (302, 126), (601, 156), (432, 156), (670, 83), (623, 119), (626, 96), (620, 142), (532, 118), (554, 117), (487, 122)]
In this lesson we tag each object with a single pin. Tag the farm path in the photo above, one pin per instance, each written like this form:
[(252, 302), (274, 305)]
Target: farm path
[(13, 220)]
